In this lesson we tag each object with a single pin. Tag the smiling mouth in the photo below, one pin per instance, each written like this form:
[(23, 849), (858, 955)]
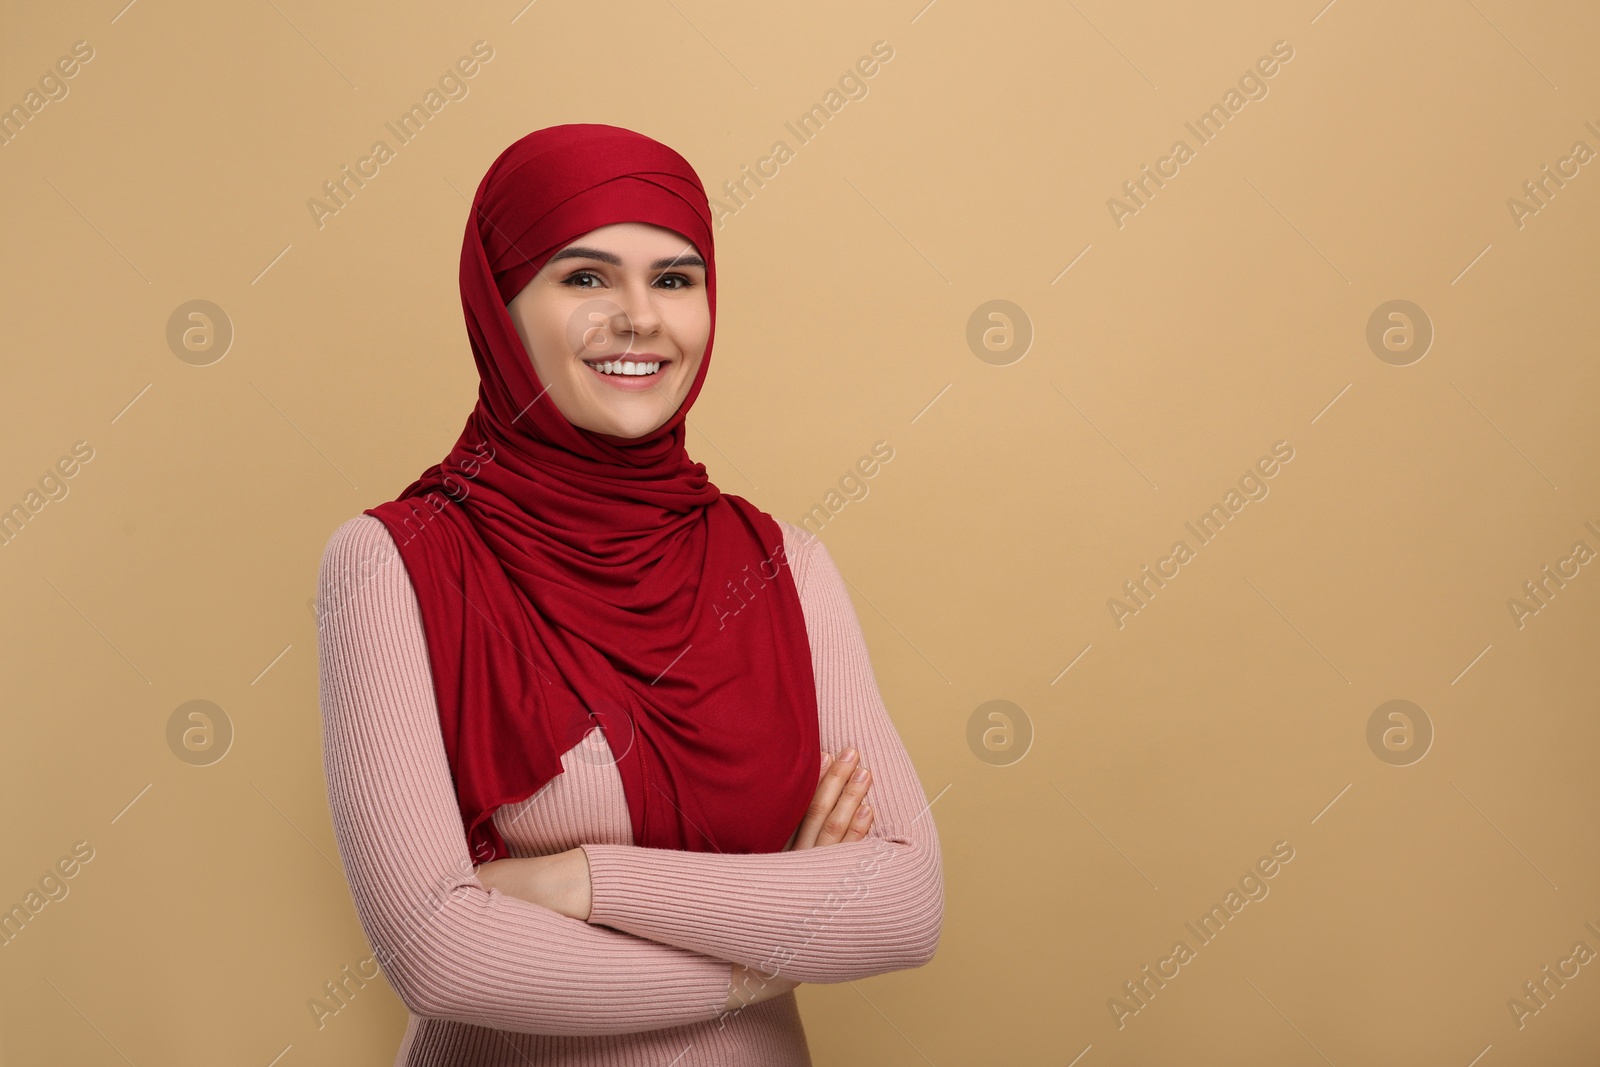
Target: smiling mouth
[(628, 367)]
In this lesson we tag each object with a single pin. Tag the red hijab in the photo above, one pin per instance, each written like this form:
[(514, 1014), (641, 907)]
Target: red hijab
[(568, 577)]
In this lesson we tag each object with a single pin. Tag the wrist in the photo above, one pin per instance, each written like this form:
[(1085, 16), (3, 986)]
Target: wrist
[(559, 882), (582, 893)]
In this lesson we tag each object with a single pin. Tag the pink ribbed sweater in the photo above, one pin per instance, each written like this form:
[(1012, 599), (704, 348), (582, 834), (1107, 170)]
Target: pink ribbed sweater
[(491, 979)]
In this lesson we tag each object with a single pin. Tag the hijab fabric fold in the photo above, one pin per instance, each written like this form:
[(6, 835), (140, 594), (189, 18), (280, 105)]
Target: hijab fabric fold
[(569, 578)]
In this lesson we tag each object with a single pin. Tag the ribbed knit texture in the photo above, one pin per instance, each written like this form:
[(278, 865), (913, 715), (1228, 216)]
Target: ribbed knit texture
[(491, 979)]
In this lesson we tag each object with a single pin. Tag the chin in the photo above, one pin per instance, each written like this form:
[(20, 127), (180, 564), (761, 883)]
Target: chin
[(628, 427)]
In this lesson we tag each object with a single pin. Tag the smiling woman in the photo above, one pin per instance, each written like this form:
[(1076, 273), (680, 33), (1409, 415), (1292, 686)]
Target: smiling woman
[(628, 800)]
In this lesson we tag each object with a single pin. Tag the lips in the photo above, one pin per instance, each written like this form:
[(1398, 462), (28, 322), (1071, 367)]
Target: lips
[(629, 382)]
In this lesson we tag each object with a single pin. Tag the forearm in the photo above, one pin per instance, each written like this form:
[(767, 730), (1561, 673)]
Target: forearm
[(491, 960), (830, 914), (669, 892)]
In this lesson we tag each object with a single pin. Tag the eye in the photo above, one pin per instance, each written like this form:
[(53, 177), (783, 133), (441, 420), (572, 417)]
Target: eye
[(673, 281)]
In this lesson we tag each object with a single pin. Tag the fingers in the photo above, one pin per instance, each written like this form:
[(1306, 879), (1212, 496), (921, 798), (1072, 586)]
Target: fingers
[(843, 817), (829, 789), (860, 824), (833, 814)]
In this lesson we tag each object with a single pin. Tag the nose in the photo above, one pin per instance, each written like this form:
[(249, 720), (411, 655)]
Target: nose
[(638, 313)]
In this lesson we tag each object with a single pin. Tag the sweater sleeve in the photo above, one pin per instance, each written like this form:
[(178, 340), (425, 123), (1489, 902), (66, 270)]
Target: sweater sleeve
[(828, 914), (451, 948)]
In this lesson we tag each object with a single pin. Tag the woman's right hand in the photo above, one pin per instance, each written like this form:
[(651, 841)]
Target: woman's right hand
[(837, 814)]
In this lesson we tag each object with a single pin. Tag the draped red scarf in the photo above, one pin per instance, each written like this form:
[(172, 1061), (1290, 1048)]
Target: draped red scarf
[(568, 577)]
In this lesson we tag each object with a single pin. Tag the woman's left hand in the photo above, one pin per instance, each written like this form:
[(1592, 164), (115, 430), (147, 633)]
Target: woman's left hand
[(559, 882)]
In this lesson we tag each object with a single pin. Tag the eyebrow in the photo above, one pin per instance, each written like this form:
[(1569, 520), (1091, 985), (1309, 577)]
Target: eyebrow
[(579, 252)]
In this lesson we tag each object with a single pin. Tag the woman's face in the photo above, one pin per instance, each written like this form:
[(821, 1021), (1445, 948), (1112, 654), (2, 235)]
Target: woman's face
[(628, 297)]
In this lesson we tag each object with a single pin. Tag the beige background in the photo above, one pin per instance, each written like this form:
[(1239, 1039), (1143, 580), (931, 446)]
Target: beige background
[(1228, 313)]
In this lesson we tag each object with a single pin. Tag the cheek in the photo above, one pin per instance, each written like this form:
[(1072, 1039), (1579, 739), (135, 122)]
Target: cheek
[(694, 331), (542, 328)]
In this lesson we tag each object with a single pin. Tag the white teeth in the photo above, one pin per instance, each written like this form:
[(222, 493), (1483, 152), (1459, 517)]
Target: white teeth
[(626, 366)]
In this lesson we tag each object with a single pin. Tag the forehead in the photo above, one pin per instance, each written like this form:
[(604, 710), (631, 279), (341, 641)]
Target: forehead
[(644, 237)]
